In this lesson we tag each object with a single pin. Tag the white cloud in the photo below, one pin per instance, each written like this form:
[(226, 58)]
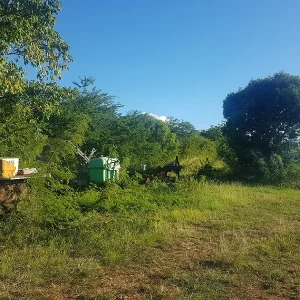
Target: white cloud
[(162, 118)]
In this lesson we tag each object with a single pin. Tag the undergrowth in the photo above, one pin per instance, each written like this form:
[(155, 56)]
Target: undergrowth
[(74, 236)]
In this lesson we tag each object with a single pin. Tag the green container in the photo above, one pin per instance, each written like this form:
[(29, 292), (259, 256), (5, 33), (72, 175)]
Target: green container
[(103, 168), (98, 169), (112, 174)]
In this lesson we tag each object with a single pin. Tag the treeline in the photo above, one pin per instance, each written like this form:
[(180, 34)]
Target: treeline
[(259, 139), (39, 117), (90, 119)]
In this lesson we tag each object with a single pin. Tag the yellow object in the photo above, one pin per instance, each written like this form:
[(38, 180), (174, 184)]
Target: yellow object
[(8, 167)]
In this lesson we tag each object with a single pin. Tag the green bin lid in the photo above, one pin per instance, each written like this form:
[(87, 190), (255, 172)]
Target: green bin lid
[(98, 162)]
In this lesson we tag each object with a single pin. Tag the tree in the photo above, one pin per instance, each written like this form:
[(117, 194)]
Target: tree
[(143, 139), (27, 34), (102, 110), (216, 134), (263, 118), (85, 120), (182, 129)]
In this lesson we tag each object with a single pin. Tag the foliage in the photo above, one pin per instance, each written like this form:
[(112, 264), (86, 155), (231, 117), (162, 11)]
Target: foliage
[(262, 120), (181, 128), (225, 152), (73, 234), (28, 34), (23, 118), (203, 239), (198, 144), (103, 116), (28, 37), (145, 140), (214, 133)]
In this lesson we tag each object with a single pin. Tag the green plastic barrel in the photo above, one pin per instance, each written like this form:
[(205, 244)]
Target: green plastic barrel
[(98, 169)]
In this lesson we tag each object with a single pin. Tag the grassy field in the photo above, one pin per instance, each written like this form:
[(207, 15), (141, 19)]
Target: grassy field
[(188, 240)]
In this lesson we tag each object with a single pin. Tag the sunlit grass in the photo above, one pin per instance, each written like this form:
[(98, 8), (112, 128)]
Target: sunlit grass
[(206, 240)]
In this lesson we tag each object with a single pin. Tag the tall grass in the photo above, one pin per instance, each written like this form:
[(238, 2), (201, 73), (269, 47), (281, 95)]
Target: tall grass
[(75, 236)]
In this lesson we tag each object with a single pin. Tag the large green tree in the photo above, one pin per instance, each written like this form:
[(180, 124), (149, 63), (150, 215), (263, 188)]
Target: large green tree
[(87, 120), (27, 36), (182, 129), (263, 119)]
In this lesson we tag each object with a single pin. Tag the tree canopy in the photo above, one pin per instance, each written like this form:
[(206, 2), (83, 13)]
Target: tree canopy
[(28, 35), (181, 128), (263, 118), (39, 117)]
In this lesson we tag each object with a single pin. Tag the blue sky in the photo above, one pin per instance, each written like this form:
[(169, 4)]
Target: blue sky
[(179, 58)]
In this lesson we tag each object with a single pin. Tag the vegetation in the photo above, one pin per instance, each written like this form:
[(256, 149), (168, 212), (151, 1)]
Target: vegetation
[(263, 125), (194, 240), (221, 231)]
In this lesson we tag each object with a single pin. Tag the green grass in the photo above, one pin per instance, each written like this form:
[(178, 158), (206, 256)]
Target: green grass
[(188, 240)]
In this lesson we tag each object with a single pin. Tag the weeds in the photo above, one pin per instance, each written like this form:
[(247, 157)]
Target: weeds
[(206, 240)]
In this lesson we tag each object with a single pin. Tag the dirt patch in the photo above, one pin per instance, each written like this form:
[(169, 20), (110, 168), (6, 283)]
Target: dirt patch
[(152, 280)]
